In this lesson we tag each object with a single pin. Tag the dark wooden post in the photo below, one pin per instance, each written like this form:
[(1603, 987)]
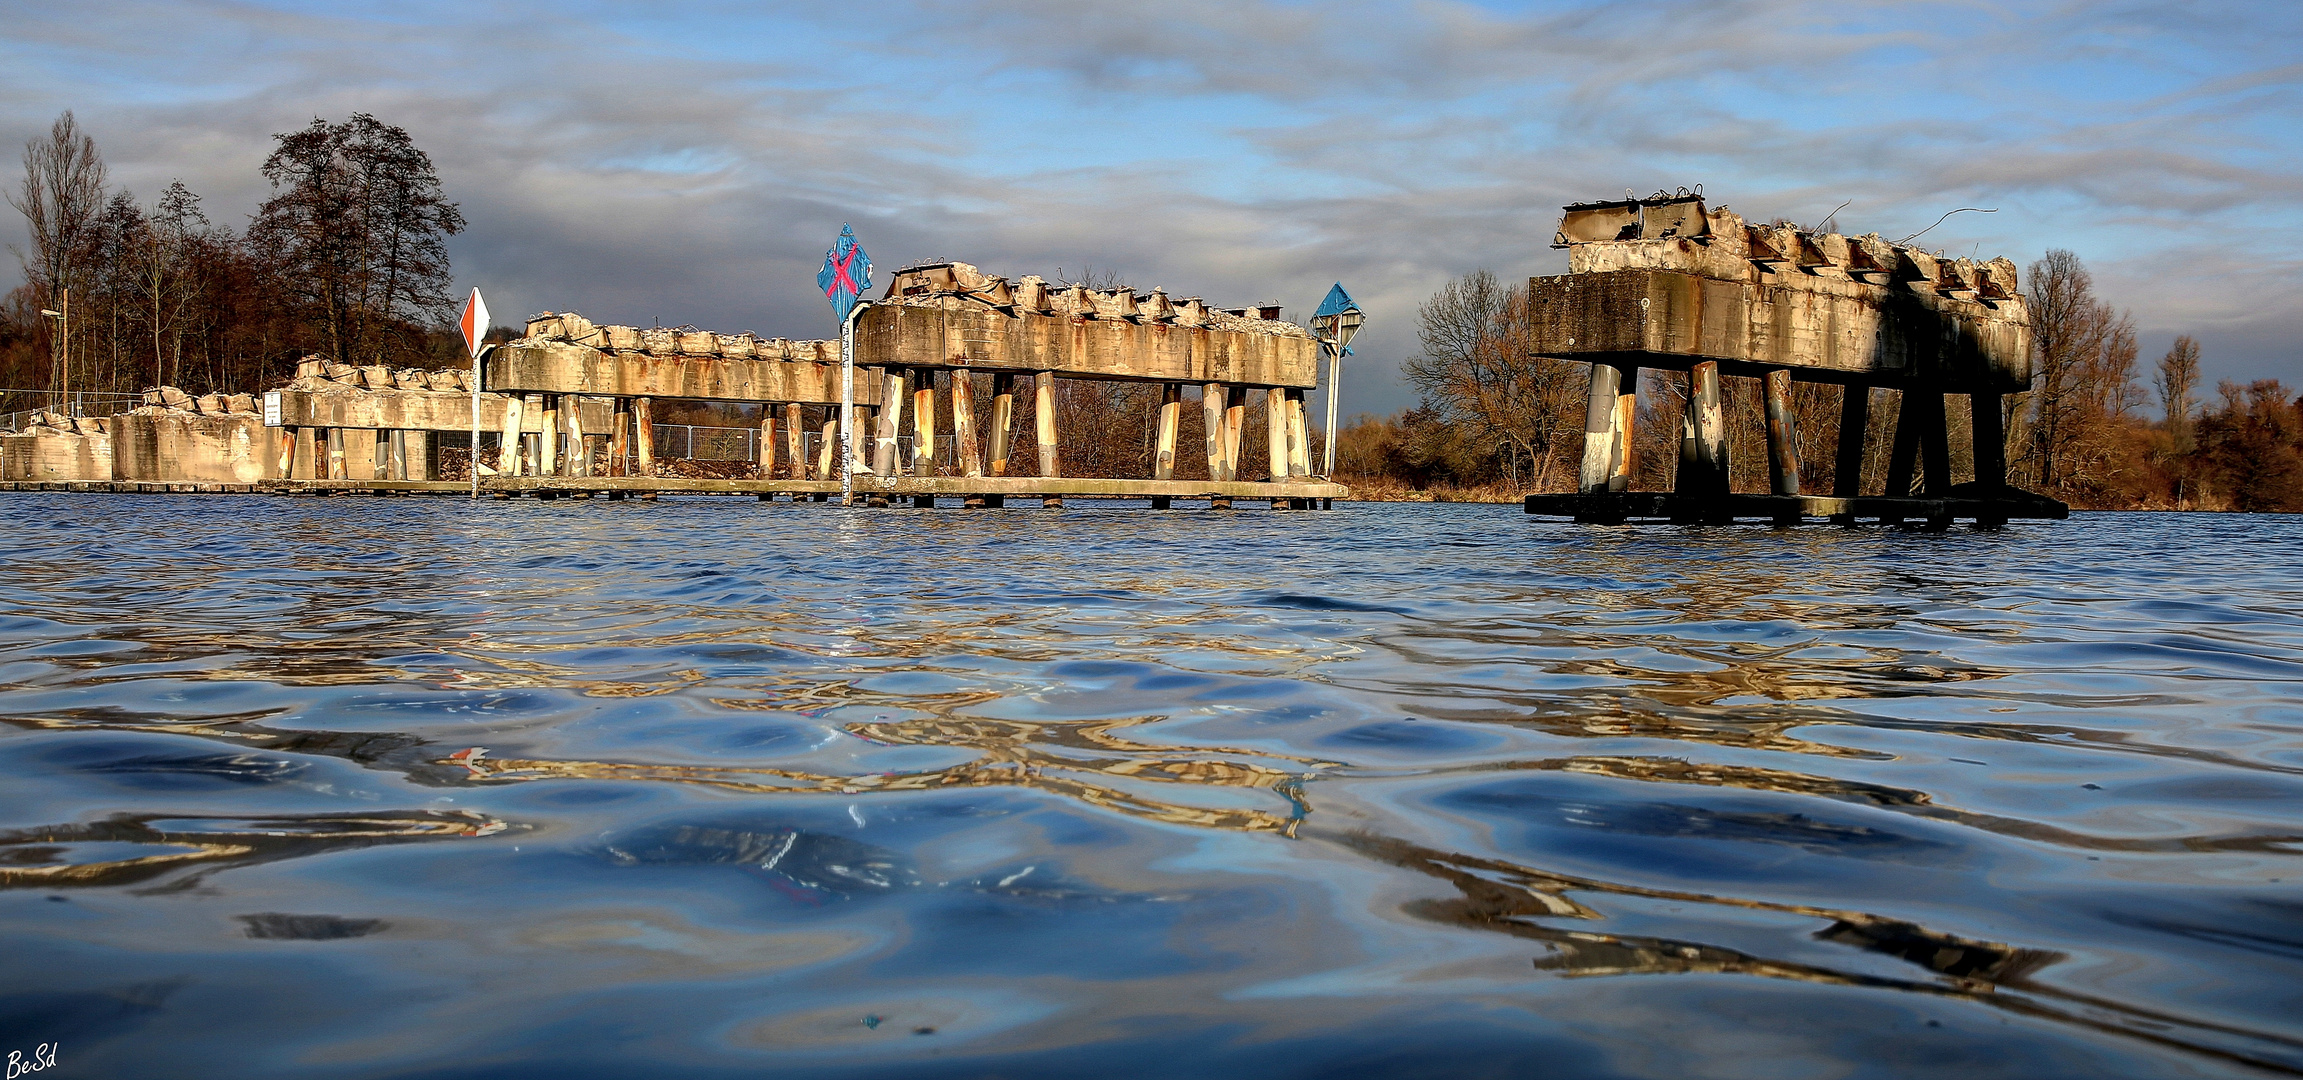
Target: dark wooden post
[(1903, 456), (1854, 428), (1935, 453), (1990, 453)]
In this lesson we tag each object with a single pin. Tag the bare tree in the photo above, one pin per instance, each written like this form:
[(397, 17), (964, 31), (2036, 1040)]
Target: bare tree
[(2082, 385), (166, 260), (2177, 382), (60, 198), (1475, 371), (357, 228)]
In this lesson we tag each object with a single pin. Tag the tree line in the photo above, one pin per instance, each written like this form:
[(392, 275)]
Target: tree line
[(1490, 415), (346, 259)]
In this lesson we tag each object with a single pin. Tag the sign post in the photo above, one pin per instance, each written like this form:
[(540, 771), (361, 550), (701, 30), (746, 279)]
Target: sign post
[(475, 326), (1334, 324), (846, 274)]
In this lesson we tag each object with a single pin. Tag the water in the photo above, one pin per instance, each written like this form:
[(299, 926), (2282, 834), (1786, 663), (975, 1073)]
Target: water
[(426, 788)]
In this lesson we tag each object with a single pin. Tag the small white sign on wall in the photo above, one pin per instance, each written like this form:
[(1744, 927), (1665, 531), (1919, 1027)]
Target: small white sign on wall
[(272, 408)]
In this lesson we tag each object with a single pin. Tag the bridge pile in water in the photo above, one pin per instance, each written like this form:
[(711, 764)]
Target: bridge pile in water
[(1662, 283)]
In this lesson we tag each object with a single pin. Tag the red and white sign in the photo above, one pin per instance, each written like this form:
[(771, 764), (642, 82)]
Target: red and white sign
[(475, 322)]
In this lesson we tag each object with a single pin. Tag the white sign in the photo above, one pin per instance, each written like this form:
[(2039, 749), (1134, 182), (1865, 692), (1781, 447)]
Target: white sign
[(272, 408)]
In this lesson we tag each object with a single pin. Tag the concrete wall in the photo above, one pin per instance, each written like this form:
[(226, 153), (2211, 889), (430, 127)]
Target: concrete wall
[(565, 367), (53, 457), (954, 331), (174, 446), (416, 410)]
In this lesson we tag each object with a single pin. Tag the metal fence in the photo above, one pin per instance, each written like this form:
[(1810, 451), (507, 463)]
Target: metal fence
[(698, 443), (76, 404)]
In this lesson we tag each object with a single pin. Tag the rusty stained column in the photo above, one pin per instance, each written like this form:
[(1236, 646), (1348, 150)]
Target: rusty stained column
[(767, 443), (423, 454), (620, 438), (1211, 403), (1599, 434), (796, 440), (1163, 455), (895, 389), (1626, 414), (644, 434), (336, 470), (1782, 435), (827, 454), (1703, 436), (579, 453), (924, 424), (965, 446), (547, 440), (1782, 443), (1234, 427), (1044, 413), (1298, 436), (1277, 426), (1003, 421)]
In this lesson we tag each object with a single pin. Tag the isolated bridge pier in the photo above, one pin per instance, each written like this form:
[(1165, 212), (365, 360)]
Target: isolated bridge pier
[(1666, 284)]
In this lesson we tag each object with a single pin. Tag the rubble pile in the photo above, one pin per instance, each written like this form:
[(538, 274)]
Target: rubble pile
[(674, 341), (318, 375), (172, 401), (932, 284), (54, 423)]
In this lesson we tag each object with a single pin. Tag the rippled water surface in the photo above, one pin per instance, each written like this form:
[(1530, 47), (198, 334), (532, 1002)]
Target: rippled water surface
[(429, 788)]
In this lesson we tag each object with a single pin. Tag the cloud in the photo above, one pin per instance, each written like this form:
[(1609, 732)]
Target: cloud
[(689, 163)]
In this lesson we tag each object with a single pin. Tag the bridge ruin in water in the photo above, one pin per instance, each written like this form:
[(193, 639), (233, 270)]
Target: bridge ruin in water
[(1663, 284), (567, 410)]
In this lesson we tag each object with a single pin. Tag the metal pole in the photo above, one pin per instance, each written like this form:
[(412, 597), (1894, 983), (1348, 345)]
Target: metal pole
[(848, 404), (1334, 376), (476, 420)]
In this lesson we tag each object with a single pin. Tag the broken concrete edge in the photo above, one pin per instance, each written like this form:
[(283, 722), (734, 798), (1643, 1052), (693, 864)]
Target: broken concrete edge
[(927, 284)]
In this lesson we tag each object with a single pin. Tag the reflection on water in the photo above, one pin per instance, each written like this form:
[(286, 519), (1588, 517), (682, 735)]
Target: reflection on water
[(688, 788)]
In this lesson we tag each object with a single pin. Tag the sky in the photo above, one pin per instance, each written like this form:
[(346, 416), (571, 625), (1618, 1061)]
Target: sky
[(688, 163)]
